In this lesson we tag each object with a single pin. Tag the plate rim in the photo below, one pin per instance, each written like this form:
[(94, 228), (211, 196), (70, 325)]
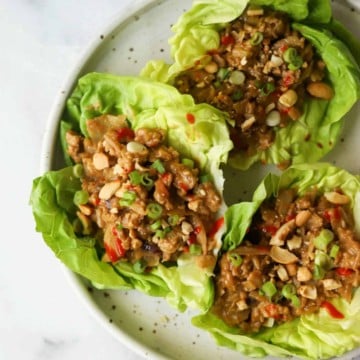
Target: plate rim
[(48, 148)]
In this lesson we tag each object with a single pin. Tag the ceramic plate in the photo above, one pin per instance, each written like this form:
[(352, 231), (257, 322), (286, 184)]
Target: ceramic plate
[(148, 325)]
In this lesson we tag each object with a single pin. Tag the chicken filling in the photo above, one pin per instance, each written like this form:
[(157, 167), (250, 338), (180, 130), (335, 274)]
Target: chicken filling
[(144, 202), (260, 75), (298, 254)]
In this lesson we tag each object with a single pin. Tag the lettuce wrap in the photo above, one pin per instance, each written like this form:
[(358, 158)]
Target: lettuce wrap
[(316, 132), (145, 104), (315, 336)]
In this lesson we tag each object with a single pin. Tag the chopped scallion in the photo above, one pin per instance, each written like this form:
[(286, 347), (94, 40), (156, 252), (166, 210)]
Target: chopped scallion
[(323, 239), (288, 291), (154, 211), (295, 301), (222, 74), (81, 197), (319, 272), (78, 171), (267, 89), (289, 54), (156, 225), (159, 166), (147, 181), (162, 233), (135, 177), (128, 198), (257, 38), (235, 259), (334, 251), (173, 220), (292, 57), (323, 260), (269, 289)]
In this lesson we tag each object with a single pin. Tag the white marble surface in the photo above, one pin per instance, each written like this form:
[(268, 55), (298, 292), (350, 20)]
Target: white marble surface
[(40, 316)]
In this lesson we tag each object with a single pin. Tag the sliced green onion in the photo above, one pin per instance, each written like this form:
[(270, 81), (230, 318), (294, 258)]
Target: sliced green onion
[(188, 162), (162, 233), (292, 57), (139, 266), (81, 197), (267, 89), (135, 177), (78, 171), (323, 260), (154, 211), (289, 54), (269, 289), (288, 291), (296, 64), (119, 227), (173, 220), (195, 249), (222, 74), (156, 225), (237, 95), (147, 181), (257, 38), (318, 273), (334, 251), (128, 198), (235, 259), (323, 239), (159, 166), (295, 301)]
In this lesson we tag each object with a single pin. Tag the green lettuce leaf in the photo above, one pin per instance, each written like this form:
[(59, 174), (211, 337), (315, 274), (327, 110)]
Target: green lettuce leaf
[(317, 131), (315, 336), (153, 104), (145, 104), (343, 34)]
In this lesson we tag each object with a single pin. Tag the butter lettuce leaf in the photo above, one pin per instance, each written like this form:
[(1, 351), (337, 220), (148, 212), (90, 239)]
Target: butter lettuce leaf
[(151, 104), (323, 176), (317, 131), (145, 104), (315, 336)]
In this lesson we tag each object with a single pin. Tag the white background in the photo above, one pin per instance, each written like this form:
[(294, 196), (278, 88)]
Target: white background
[(40, 316)]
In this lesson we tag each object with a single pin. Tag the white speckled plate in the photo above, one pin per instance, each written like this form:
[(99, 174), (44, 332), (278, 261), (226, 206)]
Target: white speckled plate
[(148, 325)]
